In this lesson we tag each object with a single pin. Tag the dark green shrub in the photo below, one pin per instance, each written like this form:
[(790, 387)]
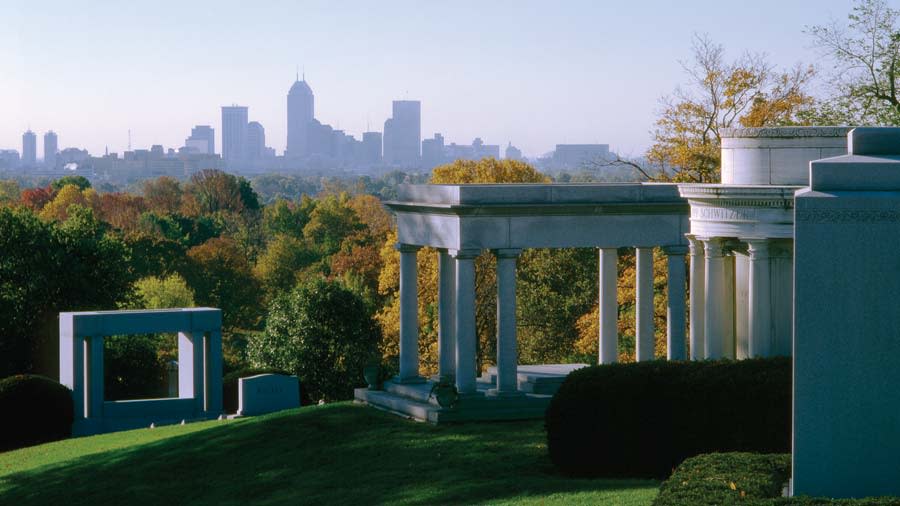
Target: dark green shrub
[(34, 410), (746, 479), (643, 419), (230, 385), (132, 368)]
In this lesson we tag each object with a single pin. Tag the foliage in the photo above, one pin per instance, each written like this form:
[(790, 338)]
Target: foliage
[(67, 196), (330, 223), (133, 368), (153, 255), (213, 191), (162, 293), (748, 92), (642, 419), (36, 198), (122, 211), (35, 410), (321, 332), (865, 57), (163, 194), (279, 267), (308, 456), (487, 170), (723, 479), (80, 182), (9, 191), (220, 275), (286, 217)]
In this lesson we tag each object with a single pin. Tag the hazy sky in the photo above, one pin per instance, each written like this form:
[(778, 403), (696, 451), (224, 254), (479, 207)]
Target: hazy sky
[(536, 73)]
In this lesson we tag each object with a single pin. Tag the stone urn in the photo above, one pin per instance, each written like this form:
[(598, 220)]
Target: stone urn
[(372, 375), (444, 392)]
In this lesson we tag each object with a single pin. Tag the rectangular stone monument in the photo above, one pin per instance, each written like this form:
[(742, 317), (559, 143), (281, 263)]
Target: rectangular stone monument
[(265, 393), (847, 322)]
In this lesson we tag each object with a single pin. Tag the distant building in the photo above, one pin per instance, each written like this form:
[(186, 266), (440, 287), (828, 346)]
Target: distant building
[(29, 149), (51, 147), (371, 148), (202, 140), (476, 151), (512, 152), (256, 141), (72, 155), (574, 156), (403, 134), (157, 152), (300, 114), (9, 158), (433, 151), (234, 133)]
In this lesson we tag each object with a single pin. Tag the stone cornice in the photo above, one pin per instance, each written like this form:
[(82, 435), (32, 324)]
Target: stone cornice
[(786, 132), (587, 209)]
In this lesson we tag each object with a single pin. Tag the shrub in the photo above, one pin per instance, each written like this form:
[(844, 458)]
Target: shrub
[(230, 385), (35, 410), (747, 479), (643, 419), (321, 332)]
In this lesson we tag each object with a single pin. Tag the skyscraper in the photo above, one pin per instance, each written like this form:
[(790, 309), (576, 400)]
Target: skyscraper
[(403, 134), (433, 151), (300, 113), (29, 149), (234, 132), (51, 147), (371, 147), (256, 140), (512, 152), (202, 140)]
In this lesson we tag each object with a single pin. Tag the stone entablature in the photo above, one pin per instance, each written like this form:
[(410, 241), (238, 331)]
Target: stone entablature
[(777, 155), (719, 210)]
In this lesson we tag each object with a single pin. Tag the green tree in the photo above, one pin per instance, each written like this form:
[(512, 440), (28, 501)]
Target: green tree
[(322, 332), (865, 57), (284, 259), (220, 274), (80, 182), (330, 223), (9, 192), (161, 293)]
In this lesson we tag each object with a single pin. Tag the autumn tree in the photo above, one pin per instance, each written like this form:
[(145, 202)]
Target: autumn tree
[(121, 210), (865, 57), (9, 192), (221, 276), (163, 194), (67, 196), (719, 94)]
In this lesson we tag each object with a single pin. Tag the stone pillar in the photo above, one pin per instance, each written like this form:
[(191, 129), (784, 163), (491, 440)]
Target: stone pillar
[(675, 312), (447, 319), (465, 319), (698, 301), (644, 339), (94, 376), (760, 303), (409, 316), (718, 328), (507, 355), (191, 384), (609, 306), (213, 380)]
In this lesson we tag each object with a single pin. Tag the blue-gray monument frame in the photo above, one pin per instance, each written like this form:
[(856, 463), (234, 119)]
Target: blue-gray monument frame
[(81, 336)]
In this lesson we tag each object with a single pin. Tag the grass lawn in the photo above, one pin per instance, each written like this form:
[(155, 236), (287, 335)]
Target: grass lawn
[(335, 454)]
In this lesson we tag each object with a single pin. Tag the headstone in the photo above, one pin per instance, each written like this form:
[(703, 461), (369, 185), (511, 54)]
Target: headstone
[(265, 393), (847, 322)]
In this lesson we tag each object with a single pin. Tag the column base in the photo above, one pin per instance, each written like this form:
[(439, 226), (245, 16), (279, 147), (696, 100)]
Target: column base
[(493, 392), (412, 380)]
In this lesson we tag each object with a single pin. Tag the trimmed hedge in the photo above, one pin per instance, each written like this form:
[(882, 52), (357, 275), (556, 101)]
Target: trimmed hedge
[(35, 410), (640, 420), (746, 479), (230, 385)]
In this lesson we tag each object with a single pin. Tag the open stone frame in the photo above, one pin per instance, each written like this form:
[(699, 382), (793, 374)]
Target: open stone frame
[(81, 337)]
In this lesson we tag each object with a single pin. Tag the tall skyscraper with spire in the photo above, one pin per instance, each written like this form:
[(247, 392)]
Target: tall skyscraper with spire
[(300, 114), (29, 149)]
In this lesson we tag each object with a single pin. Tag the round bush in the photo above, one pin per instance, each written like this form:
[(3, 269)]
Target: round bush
[(35, 410), (640, 420)]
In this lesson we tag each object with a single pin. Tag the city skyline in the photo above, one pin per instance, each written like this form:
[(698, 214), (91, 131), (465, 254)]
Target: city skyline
[(521, 72)]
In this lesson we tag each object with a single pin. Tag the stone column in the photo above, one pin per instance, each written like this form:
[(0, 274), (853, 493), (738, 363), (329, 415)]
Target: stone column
[(409, 316), (465, 319), (718, 311), (698, 303), (609, 306), (644, 339), (213, 380), (94, 375), (675, 313), (760, 309), (447, 319), (507, 356)]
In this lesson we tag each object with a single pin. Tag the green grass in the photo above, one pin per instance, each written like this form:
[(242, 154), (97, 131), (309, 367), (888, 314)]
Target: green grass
[(335, 454)]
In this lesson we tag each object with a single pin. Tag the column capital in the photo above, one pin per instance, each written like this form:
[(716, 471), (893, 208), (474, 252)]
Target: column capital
[(464, 254), (407, 248), (714, 247), (675, 250), (757, 247), (507, 253), (695, 245)]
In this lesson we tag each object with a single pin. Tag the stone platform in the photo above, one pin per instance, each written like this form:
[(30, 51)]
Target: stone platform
[(537, 384)]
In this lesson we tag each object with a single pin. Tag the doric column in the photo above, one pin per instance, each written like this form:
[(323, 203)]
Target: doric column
[(718, 310), (507, 356), (465, 319), (698, 280), (644, 304), (409, 316), (675, 313), (760, 310), (609, 306), (447, 319)]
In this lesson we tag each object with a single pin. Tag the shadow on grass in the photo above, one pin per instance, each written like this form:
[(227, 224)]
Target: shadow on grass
[(336, 454)]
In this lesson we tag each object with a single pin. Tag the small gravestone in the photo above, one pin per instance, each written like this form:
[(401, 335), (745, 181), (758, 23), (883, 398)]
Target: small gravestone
[(265, 393)]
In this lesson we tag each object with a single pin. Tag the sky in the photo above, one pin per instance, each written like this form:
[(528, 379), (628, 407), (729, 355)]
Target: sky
[(534, 73)]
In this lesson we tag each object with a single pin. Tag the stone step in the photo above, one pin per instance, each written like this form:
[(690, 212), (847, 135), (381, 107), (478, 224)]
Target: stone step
[(394, 403), (419, 392), (537, 379)]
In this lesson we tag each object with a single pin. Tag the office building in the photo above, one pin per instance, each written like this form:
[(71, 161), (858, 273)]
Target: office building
[(29, 149), (403, 134), (51, 147), (234, 132)]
